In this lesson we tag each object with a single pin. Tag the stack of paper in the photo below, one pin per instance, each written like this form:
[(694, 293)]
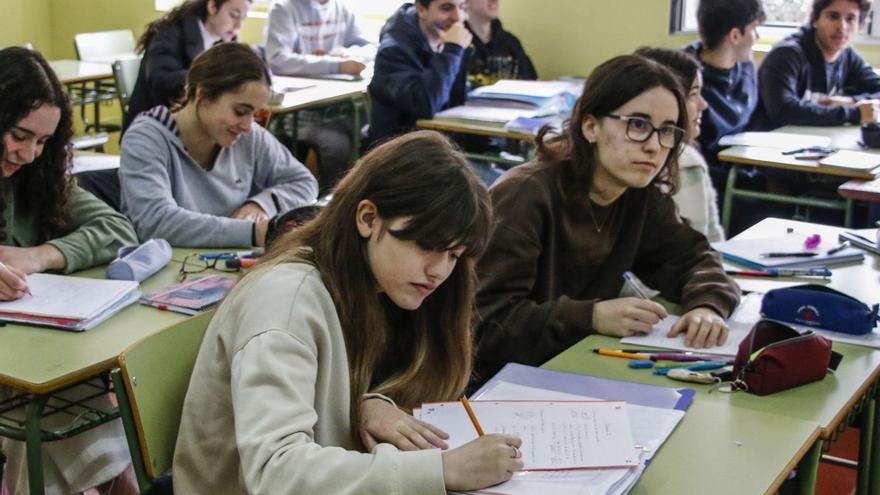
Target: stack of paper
[(551, 96), (70, 303)]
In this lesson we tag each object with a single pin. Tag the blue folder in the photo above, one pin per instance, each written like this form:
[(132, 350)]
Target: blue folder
[(592, 386)]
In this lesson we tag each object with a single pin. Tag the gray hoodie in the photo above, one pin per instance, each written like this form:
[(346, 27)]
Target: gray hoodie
[(168, 195)]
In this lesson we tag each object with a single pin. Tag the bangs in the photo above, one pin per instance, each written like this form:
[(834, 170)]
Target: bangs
[(444, 226)]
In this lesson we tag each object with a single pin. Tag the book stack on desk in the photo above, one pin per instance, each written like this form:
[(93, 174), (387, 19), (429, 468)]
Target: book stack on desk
[(69, 303)]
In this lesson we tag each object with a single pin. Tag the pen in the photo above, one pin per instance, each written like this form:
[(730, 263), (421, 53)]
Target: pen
[(629, 277), (631, 351), (227, 256), (782, 272), (470, 413), (838, 248), (797, 254), (677, 356), (711, 365), (627, 355)]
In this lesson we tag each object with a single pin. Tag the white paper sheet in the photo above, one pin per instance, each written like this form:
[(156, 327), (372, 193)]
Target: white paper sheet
[(739, 323), (64, 296), (781, 140), (555, 434)]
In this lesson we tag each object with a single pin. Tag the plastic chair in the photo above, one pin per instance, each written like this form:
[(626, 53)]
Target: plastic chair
[(125, 72), (151, 384), (105, 47)]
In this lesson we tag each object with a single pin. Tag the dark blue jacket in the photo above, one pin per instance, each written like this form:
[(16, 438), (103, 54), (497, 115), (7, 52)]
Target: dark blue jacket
[(162, 74), (732, 95), (410, 80), (795, 69)]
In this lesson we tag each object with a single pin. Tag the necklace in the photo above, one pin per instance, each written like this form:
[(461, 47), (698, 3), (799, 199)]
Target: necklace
[(597, 225)]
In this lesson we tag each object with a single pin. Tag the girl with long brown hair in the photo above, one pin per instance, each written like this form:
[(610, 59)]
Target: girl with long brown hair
[(595, 204), (317, 356)]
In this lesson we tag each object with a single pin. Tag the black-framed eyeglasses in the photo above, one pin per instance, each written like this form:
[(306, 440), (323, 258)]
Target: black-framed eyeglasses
[(640, 129), (199, 265)]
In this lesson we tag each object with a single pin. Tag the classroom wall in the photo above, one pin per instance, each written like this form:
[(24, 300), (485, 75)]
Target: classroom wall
[(563, 37), (24, 21)]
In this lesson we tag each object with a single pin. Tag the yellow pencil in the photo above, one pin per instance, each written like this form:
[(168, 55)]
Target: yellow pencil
[(467, 407)]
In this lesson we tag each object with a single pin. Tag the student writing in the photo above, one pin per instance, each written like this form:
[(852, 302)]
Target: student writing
[(201, 173), (372, 296), (595, 204), (49, 224)]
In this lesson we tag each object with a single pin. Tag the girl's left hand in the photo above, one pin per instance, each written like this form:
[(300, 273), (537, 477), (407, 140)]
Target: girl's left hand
[(382, 422), (703, 326), (250, 211)]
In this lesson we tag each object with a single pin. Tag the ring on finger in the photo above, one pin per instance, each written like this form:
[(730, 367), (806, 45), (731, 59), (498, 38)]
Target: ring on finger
[(516, 452)]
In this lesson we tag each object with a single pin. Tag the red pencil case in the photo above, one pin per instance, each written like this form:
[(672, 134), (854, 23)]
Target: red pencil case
[(776, 357)]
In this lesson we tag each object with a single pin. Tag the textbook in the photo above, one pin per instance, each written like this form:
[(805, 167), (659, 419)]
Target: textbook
[(785, 251), (550, 96), (69, 303), (192, 296)]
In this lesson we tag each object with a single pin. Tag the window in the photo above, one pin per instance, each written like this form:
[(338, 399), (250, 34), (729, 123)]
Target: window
[(783, 17)]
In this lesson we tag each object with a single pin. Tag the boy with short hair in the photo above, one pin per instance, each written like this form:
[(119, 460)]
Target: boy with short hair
[(815, 77), (421, 65), (730, 87)]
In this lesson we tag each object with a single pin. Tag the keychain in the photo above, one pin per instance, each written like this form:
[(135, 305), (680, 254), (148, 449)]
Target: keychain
[(691, 376)]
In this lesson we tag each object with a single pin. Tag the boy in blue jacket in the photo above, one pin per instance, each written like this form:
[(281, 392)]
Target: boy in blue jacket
[(421, 65), (815, 77)]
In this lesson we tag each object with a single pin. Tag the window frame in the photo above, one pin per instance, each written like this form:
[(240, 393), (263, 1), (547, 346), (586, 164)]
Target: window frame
[(770, 30)]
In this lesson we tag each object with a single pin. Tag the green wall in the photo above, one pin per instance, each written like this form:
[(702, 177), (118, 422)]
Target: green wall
[(24, 21), (563, 37)]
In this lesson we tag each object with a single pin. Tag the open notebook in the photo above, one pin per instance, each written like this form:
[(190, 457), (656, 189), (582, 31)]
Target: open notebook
[(70, 303)]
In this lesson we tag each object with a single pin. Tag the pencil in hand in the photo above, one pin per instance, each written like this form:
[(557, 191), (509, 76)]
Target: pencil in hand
[(470, 412)]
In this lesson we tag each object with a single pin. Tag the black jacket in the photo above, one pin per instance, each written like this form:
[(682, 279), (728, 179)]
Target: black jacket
[(795, 69), (503, 44), (162, 75)]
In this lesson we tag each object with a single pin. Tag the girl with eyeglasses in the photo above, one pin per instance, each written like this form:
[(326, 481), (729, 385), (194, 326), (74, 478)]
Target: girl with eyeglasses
[(593, 205), (309, 370)]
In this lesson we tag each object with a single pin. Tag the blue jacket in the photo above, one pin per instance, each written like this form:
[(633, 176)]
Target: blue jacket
[(410, 80), (732, 96), (795, 69)]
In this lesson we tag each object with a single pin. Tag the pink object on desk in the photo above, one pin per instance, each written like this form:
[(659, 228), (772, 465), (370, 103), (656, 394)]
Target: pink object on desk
[(813, 241)]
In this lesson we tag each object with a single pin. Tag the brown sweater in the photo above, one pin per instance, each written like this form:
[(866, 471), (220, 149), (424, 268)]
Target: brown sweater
[(546, 265)]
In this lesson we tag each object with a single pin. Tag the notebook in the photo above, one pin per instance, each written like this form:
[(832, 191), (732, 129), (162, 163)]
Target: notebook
[(192, 296), (753, 252), (69, 303), (853, 160)]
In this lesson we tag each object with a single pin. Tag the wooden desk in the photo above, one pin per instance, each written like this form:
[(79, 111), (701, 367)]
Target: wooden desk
[(38, 362), (77, 71), (843, 137), (730, 449), (865, 190), (491, 129), (308, 93)]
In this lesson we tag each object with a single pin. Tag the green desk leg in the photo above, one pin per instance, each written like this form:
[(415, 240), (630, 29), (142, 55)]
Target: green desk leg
[(874, 471), (727, 207), (34, 445), (808, 469), (356, 104), (847, 219), (863, 478)]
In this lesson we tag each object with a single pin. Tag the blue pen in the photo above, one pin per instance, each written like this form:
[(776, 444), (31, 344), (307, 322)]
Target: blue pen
[(635, 283), (226, 256)]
